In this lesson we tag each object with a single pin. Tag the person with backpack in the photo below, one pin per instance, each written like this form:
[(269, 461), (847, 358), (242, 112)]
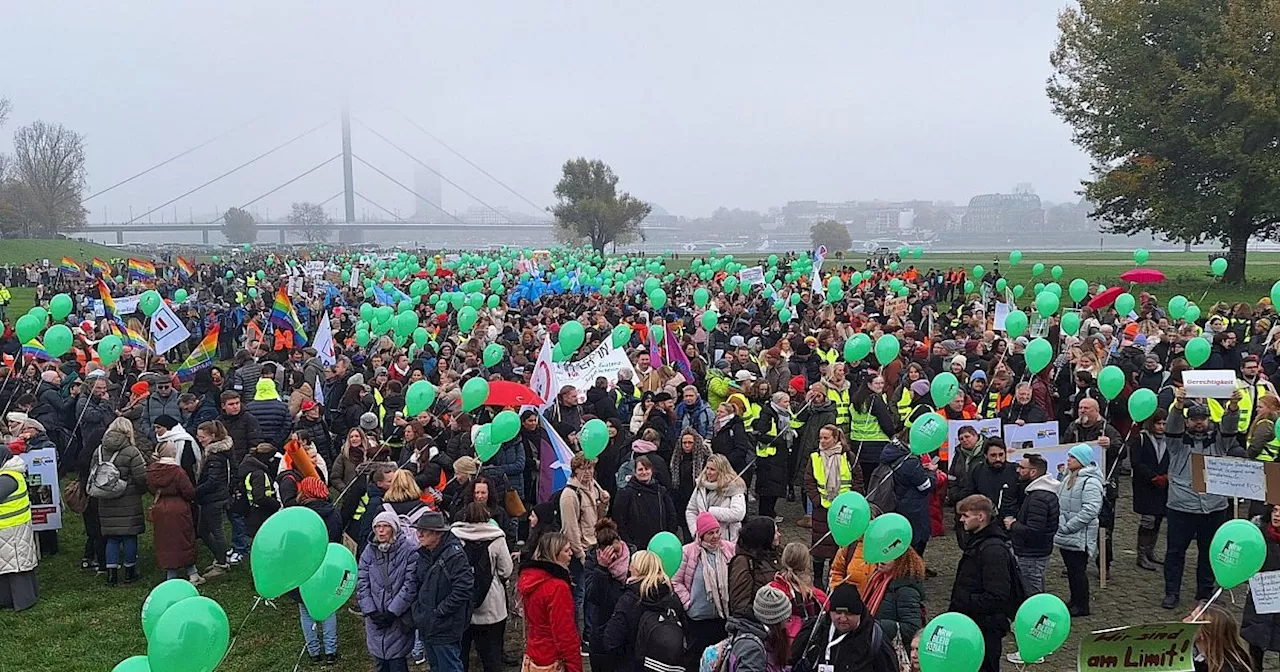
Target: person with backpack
[(551, 634), (117, 481), (895, 598), (580, 504), (647, 626), (605, 574), (490, 558), (385, 590), (259, 494), (702, 582), (844, 639), (903, 484), (795, 580), (446, 582), (982, 591), (757, 641), (644, 508), (774, 436), (1079, 505), (213, 493), (402, 499)]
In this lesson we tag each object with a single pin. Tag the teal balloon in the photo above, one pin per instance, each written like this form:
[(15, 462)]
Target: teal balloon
[(28, 327), (493, 353), (505, 426), (1046, 304), (1056, 272), (1142, 404), (1078, 289), (857, 348), (1125, 303), (1197, 351), (287, 550), (161, 598), (927, 433), (658, 299), (1192, 314), (886, 538), (420, 396), (887, 349), (1038, 355), (848, 517), (191, 636), (1015, 257), (133, 664), (1037, 269), (180, 295), (1041, 626), (952, 642), (57, 340), (60, 307), (332, 584), (1070, 323), (621, 335), (667, 547), (571, 336), (943, 388), (1236, 552), (467, 319), (1018, 291), (1015, 323), (109, 349)]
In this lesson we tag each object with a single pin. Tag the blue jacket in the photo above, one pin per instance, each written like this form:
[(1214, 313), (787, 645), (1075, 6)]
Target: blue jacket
[(510, 461), (912, 486), (701, 418), (442, 610), (387, 582), (273, 419)]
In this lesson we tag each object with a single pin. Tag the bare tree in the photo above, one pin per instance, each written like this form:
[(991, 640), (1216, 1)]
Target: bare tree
[(51, 166), (311, 222), (5, 108)]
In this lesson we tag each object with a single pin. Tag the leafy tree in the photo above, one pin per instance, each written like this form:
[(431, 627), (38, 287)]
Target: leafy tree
[(49, 161), (311, 222), (590, 206), (1175, 102), (832, 234), (239, 226)]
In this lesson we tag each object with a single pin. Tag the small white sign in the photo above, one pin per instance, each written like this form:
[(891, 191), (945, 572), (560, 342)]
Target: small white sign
[(42, 488), (1264, 587), (167, 330), (1001, 314), (1235, 477), (751, 276), (1211, 384), (1034, 435)]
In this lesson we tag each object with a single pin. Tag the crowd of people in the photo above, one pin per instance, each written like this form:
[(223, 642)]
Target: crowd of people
[(761, 407)]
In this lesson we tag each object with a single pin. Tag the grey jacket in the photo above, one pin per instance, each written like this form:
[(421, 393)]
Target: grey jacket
[(1079, 504), (1219, 441)]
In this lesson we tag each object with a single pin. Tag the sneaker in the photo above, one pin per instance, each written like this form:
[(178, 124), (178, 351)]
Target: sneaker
[(316, 658), (234, 558), (330, 659), (420, 658), (1016, 659), (196, 579), (215, 570)]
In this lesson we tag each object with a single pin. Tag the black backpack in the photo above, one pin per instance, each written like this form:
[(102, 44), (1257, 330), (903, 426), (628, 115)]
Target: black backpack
[(478, 555), (660, 642), (882, 489), (556, 523)]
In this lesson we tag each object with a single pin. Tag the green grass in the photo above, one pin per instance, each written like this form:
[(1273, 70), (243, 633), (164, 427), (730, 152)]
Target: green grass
[(15, 251), (1187, 272), (82, 624)]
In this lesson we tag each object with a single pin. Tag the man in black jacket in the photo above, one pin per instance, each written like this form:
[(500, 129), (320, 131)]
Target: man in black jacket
[(442, 608), (845, 638), (995, 478), (984, 589), (1022, 410), (1033, 528), (244, 432)]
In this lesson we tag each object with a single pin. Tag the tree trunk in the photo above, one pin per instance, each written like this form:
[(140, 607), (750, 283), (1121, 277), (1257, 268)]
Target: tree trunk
[(1186, 246), (1237, 249)]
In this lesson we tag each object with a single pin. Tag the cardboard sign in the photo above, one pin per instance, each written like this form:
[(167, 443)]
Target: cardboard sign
[(1211, 384), (42, 488), (1155, 647), (1236, 477), (1035, 435), (1264, 587), (751, 276), (896, 306)]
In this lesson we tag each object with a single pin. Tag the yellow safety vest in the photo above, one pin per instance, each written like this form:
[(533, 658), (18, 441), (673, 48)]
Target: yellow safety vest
[(752, 414), (820, 475), (865, 427), (841, 400), (828, 356), (904, 404), (248, 489), (15, 509), (382, 410), (1218, 408), (364, 502), (767, 449)]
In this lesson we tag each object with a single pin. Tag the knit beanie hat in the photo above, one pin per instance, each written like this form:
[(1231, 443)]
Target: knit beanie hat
[(387, 518), (771, 606), (705, 523), (1083, 454), (313, 488)]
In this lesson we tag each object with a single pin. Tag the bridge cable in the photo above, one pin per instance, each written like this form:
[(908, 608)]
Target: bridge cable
[(233, 170), (378, 206), (402, 186), (318, 166)]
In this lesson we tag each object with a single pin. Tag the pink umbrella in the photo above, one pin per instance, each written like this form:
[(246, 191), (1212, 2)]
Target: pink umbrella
[(1143, 276)]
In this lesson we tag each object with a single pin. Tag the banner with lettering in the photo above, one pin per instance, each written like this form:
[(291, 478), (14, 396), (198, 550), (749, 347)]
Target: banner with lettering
[(1155, 647)]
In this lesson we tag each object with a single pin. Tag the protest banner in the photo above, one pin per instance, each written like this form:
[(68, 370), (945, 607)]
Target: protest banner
[(896, 306), (125, 305), (1056, 456), (751, 276), (1264, 590), (1001, 314), (1154, 647), (1210, 384), (42, 488), (986, 429), (1236, 477), (1031, 435), (605, 361)]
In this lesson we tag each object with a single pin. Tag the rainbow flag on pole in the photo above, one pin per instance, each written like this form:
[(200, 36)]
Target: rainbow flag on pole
[(284, 317), (108, 303), (202, 357), (101, 267), (34, 348), (131, 338), (142, 269), (70, 267), (185, 268)]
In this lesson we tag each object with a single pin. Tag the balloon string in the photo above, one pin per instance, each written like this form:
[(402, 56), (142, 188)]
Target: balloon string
[(820, 539), (298, 663), (1196, 616), (256, 601)]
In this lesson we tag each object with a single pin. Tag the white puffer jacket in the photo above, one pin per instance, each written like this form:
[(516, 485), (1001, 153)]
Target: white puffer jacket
[(17, 544)]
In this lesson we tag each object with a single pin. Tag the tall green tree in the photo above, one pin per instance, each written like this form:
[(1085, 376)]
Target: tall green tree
[(591, 208), (1176, 103), (831, 233), (239, 226)]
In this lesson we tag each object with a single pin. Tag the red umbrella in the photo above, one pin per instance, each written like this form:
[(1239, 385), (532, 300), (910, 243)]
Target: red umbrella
[(1143, 276), (1106, 298), (507, 393)]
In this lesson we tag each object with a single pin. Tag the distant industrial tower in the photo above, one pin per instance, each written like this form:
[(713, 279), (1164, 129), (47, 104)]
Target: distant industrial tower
[(427, 204)]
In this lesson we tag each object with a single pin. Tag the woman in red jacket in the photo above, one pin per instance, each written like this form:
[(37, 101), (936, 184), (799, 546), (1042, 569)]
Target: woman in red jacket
[(551, 629)]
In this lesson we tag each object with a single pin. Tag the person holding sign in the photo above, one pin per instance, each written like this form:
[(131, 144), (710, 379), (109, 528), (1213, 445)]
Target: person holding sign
[(1192, 515), (1262, 630)]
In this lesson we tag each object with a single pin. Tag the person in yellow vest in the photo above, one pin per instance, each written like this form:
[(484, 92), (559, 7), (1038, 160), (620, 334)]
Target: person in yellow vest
[(774, 437), (1264, 444), (830, 473), (5, 297), (871, 423), (1252, 388), (838, 392), (903, 399), (259, 493), (18, 554)]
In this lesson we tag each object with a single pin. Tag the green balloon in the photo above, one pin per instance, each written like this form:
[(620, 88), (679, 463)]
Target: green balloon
[(1125, 303), (109, 349), (784, 316), (1038, 355), (701, 296), (420, 336), (1236, 552), (161, 598), (467, 319), (964, 649), (968, 286), (1015, 257), (1041, 626), (667, 547), (1015, 323), (621, 335), (149, 302), (420, 396), (1178, 306), (474, 393), (133, 664), (287, 550), (28, 327), (1275, 294), (1142, 404), (710, 319), (794, 299), (943, 388), (731, 284), (887, 538), (493, 353), (658, 298), (1140, 256), (1001, 284), (978, 272), (571, 336), (1197, 351), (1018, 290), (505, 426), (1192, 315), (57, 340), (1055, 289), (180, 295), (1070, 323), (593, 437), (1110, 381), (903, 252), (887, 348), (1046, 304), (1218, 267), (1037, 269), (857, 348), (493, 301), (1078, 289), (848, 517), (191, 636), (253, 292), (362, 337), (406, 323), (927, 433), (1056, 272), (332, 584), (60, 307), (656, 334)]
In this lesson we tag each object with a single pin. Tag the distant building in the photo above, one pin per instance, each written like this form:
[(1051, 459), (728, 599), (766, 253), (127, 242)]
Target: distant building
[(1003, 213), (429, 200)]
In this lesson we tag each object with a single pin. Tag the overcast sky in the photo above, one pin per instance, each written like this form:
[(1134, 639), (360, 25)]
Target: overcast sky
[(695, 104)]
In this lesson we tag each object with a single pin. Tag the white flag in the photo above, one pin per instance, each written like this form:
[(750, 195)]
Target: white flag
[(324, 342), (167, 331), (543, 379)]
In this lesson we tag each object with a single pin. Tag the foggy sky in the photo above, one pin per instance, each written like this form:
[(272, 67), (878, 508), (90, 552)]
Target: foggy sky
[(694, 104)]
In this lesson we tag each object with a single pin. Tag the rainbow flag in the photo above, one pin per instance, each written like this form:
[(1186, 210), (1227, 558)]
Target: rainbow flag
[(101, 267), (70, 267), (130, 337), (284, 317), (142, 269), (108, 303), (202, 357), (34, 348), (186, 268)]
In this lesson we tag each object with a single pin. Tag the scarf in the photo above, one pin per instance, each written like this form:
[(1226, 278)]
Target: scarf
[(721, 422), (620, 566), (831, 462), (1272, 533), (715, 574), (785, 430), (1160, 445), (355, 453)]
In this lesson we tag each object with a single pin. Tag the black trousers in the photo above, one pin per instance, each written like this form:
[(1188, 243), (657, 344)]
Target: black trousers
[(994, 651), (1077, 563), (488, 642), (95, 547)]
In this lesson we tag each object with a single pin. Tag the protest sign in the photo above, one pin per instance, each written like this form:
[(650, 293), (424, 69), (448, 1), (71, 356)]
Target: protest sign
[(42, 488), (1155, 647), (1211, 384), (1001, 314), (1056, 456), (1236, 477), (605, 360), (1031, 435), (167, 330), (1264, 588), (125, 305), (986, 428), (751, 276), (896, 306)]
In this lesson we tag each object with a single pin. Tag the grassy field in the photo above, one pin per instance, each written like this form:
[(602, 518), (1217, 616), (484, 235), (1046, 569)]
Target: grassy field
[(26, 251)]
